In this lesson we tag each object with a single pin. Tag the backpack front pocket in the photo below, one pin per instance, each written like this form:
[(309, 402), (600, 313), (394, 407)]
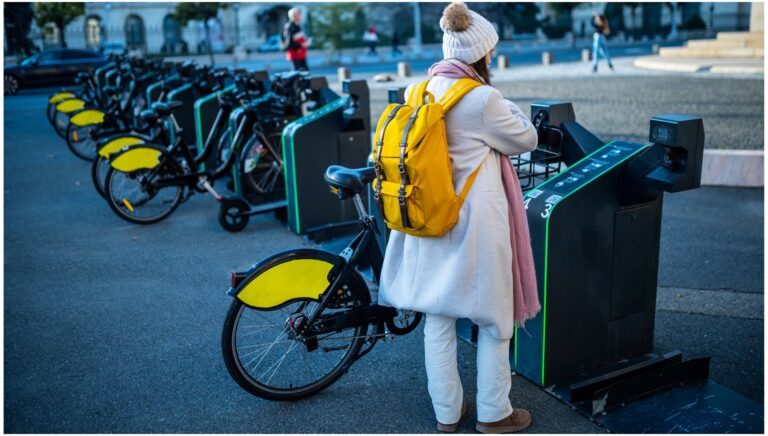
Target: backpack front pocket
[(390, 200)]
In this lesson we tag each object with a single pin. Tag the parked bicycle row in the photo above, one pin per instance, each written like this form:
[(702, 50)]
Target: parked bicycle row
[(158, 132)]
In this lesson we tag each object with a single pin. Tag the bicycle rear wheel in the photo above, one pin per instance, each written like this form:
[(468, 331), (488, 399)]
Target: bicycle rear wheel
[(265, 359), (135, 197), (80, 141), (99, 170), (60, 123)]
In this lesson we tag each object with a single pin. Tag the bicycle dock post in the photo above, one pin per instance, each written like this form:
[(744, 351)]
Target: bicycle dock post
[(339, 133), (206, 110), (185, 115)]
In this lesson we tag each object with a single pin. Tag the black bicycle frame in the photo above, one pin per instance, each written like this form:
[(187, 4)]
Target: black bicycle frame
[(363, 245), (192, 178)]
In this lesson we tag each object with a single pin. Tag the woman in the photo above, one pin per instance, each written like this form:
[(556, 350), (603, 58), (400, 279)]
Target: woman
[(295, 43), (466, 272), (600, 23)]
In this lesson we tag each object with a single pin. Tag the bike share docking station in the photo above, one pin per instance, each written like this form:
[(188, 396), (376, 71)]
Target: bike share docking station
[(338, 133), (595, 229)]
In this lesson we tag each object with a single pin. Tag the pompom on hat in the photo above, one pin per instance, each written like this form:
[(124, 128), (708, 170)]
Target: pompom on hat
[(467, 36)]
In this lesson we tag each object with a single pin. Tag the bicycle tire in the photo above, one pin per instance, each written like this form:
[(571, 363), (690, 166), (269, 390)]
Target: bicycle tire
[(60, 124), (357, 288), (84, 142), (50, 111), (267, 174), (99, 169), (172, 168)]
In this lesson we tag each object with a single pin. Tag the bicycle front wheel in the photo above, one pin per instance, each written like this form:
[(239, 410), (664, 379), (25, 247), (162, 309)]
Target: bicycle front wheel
[(267, 360), (135, 196), (262, 165)]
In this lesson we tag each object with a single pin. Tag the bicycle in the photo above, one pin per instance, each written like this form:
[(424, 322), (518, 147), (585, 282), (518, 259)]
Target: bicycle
[(112, 143), (312, 303), (145, 182)]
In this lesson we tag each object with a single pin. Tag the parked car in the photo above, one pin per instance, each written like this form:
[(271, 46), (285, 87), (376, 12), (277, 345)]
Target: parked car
[(271, 44), (51, 68)]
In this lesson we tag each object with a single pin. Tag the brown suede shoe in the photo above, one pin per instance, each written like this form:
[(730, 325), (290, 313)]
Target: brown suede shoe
[(519, 420), (451, 428)]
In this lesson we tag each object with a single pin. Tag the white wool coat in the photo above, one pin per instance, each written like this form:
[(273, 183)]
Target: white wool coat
[(467, 272)]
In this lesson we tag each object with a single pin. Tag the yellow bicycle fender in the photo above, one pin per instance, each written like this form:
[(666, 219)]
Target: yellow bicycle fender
[(136, 159), (117, 144), (71, 105), (87, 117), (295, 279), (55, 98)]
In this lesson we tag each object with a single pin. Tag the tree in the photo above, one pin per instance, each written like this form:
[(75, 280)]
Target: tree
[(60, 14), (335, 23), (18, 21), (188, 11)]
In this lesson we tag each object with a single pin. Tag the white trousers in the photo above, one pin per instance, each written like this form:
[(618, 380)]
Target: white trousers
[(494, 376)]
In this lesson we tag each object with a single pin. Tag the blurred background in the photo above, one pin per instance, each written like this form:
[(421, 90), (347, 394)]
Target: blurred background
[(170, 29)]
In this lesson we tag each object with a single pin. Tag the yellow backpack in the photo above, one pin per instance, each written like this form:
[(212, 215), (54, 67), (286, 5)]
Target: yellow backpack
[(414, 178)]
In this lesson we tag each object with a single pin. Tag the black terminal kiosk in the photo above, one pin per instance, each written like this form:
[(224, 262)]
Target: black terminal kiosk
[(595, 230)]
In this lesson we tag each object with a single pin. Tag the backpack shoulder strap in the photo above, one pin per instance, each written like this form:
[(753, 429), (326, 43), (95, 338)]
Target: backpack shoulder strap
[(417, 95), (456, 92)]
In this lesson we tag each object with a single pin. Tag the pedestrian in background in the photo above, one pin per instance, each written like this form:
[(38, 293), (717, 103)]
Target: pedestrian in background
[(395, 43), (372, 38), (600, 23), (294, 42), (468, 272)]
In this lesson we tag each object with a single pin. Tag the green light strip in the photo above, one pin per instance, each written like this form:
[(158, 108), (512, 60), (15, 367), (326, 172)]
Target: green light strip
[(546, 270), (232, 128), (546, 236), (516, 341)]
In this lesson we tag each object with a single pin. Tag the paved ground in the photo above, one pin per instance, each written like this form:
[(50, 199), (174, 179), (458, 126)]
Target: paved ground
[(618, 105), (111, 327)]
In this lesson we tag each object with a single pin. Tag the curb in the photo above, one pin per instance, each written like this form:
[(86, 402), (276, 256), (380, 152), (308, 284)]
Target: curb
[(733, 168), (697, 65)]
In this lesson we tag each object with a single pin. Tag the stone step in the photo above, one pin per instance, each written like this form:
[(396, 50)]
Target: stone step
[(741, 36), (723, 43), (691, 52)]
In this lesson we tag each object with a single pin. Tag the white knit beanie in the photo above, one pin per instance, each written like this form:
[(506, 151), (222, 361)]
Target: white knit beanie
[(467, 36)]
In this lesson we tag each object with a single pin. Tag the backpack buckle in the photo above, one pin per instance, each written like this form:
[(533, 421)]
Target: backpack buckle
[(402, 168), (401, 200)]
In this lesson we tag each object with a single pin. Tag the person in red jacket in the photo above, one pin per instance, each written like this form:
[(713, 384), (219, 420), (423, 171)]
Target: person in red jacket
[(294, 41)]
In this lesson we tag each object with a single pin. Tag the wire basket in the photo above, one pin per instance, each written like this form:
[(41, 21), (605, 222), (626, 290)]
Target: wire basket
[(539, 165)]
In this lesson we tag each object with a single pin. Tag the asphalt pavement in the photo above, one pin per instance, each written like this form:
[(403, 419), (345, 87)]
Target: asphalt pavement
[(112, 327)]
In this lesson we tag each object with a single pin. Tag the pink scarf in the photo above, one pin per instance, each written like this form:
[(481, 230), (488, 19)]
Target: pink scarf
[(454, 69), (526, 295), (524, 289)]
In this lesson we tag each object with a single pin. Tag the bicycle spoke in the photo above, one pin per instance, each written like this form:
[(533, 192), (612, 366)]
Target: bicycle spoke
[(280, 361)]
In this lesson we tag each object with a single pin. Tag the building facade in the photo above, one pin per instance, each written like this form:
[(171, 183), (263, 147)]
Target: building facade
[(154, 28)]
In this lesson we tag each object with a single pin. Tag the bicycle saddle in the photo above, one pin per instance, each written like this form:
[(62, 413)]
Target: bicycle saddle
[(349, 181), (163, 109), (149, 115)]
